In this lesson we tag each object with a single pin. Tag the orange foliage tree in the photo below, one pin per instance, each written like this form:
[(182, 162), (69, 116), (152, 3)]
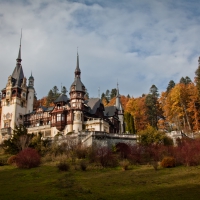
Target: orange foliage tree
[(138, 109)]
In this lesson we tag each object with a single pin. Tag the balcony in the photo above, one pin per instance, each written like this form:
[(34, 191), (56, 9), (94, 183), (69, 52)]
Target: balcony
[(39, 128)]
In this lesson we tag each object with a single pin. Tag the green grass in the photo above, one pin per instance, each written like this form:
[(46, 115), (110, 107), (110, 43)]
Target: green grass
[(140, 183)]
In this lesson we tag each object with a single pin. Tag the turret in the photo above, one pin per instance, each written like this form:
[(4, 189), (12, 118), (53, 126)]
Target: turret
[(77, 93), (120, 110), (31, 94)]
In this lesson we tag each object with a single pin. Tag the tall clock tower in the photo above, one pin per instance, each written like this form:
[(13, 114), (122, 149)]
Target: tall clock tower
[(15, 99), (77, 93)]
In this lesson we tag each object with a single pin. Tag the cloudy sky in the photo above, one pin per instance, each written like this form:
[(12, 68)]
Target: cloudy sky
[(135, 42)]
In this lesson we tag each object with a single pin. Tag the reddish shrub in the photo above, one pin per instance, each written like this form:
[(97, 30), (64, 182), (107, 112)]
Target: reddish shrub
[(123, 149), (28, 158), (136, 154), (105, 157), (168, 162), (12, 160)]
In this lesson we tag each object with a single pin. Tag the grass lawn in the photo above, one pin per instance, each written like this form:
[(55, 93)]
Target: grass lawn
[(140, 182)]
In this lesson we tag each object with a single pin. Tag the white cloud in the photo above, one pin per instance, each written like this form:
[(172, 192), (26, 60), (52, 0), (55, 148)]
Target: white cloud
[(138, 43)]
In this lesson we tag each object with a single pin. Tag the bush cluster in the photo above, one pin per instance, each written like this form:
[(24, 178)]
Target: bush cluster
[(63, 166), (168, 162), (12, 160), (28, 158)]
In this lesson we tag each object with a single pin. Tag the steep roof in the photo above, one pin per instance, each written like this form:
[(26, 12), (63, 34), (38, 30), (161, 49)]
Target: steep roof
[(62, 98), (18, 73), (77, 85), (94, 104), (110, 111)]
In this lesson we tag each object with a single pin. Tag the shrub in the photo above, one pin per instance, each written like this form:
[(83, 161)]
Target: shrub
[(124, 164), (63, 166), (12, 160), (105, 157), (155, 165), (168, 162), (28, 158), (188, 152), (81, 153), (2, 162), (83, 165), (123, 149)]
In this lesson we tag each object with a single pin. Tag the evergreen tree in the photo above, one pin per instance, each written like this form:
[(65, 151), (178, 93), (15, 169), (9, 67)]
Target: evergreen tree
[(129, 121), (64, 90), (19, 140), (107, 95), (187, 80), (55, 90), (128, 96), (182, 80), (170, 85), (113, 93), (197, 79), (50, 97), (103, 96), (152, 106)]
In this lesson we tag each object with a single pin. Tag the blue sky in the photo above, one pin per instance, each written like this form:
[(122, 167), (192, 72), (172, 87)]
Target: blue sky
[(135, 42)]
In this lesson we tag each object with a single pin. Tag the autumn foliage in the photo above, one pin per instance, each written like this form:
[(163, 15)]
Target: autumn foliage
[(27, 158)]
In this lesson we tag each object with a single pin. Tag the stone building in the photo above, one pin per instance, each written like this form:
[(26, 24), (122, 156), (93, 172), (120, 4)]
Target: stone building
[(69, 114)]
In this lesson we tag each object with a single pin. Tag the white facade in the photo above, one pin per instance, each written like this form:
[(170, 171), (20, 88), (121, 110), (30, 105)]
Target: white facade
[(97, 125)]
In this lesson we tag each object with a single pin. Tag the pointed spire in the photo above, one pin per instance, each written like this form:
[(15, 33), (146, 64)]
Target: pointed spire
[(19, 54), (77, 71), (118, 102), (199, 61), (117, 95)]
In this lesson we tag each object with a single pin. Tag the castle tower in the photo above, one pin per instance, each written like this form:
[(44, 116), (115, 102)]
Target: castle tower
[(14, 99), (77, 93), (31, 94), (120, 111)]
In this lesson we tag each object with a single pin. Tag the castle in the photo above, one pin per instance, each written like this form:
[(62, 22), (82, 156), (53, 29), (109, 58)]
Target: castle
[(69, 114)]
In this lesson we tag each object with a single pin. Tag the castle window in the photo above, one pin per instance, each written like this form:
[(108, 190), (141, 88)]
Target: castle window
[(22, 104), (13, 92), (58, 117), (6, 125)]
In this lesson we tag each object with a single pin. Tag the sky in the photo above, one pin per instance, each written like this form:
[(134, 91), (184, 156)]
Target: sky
[(136, 43)]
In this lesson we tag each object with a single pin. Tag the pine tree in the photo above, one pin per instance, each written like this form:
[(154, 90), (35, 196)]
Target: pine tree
[(170, 85), (129, 121), (64, 90), (152, 106), (107, 95), (197, 79), (113, 93), (50, 97)]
